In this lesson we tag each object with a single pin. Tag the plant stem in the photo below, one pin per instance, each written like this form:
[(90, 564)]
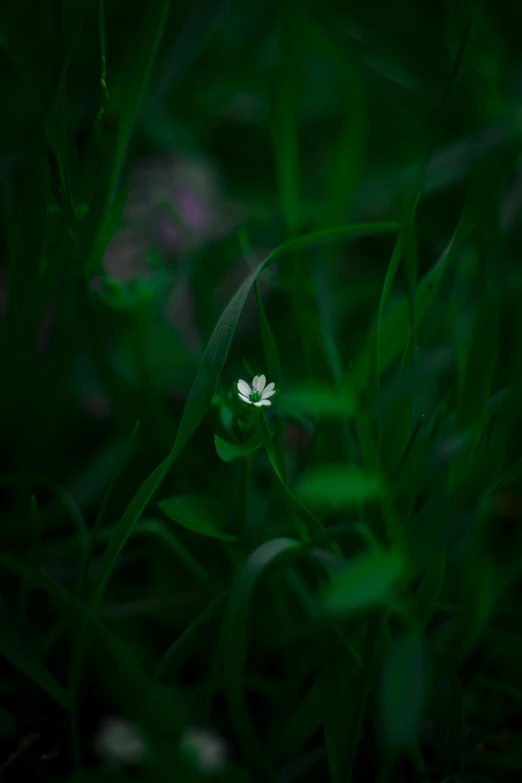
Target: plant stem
[(244, 489)]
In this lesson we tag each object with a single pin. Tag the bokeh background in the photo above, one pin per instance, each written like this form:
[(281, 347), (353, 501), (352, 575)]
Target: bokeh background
[(151, 155)]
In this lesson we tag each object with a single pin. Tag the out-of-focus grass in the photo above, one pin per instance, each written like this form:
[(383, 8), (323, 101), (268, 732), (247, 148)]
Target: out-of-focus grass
[(329, 195)]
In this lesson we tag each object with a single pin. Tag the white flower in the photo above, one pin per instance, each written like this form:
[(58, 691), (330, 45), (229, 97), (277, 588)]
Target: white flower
[(205, 748), (120, 742), (259, 393)]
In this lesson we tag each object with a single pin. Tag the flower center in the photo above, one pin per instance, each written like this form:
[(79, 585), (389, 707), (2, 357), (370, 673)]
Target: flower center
[(255, 396)]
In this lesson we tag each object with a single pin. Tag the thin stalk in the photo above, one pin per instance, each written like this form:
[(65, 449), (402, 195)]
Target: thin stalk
[(245, 534)]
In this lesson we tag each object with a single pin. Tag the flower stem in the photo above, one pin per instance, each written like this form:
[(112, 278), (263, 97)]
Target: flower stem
[(244, 490)]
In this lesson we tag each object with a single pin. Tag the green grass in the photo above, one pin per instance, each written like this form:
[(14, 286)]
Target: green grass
[(195, 193)]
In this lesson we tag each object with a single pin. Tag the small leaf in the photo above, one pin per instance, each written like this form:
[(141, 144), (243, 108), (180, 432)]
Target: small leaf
[(366, 581), (322, 402), (230, 451), (339, 486), (402, 690), (197, 513)]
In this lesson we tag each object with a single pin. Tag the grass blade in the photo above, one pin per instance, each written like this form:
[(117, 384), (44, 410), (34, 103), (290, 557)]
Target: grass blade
[(103, 508)]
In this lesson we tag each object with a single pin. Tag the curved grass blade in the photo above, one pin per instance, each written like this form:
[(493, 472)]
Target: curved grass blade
[(233, 642), (394, 327), (25, 589), (429, 589), (124, 529), (153, 527), (66, 599), (402, 691), (167, 658), (76, 516), (374, 645), (273, 365), (299, 505), (448, 722), (155, 16), (232, 650), (103, 508)]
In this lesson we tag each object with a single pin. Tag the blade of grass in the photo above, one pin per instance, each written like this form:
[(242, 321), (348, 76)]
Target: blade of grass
[(103, 508), (75, 515), (374, 645), (232, 651), (25, 589), (233, 643), (170, 654), (273, 364), (302, 510), (137, 79)]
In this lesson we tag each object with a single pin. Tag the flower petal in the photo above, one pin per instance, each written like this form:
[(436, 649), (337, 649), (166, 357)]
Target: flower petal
[(261, 403), (245, 399), (261, 383), (266, 394), (243, 387), (269, 387), (254, 382)]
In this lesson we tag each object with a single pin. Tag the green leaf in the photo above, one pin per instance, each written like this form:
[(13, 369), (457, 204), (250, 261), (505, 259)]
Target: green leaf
[(322, 402), (402, 691), (337, 486), (197, 513), (366, 581), (230, 451)]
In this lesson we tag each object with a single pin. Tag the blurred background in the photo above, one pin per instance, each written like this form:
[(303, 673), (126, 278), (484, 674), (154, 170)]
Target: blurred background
[(151, 154)]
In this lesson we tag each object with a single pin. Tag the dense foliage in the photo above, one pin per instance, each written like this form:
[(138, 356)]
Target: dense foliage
[(321, 588)]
